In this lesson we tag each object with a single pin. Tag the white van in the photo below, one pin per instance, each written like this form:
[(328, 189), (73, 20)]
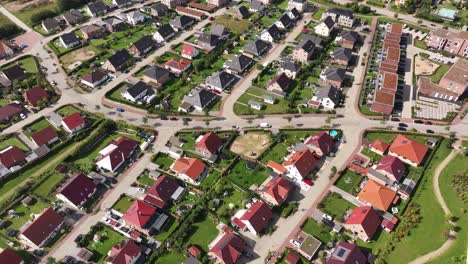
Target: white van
[(264, 125)]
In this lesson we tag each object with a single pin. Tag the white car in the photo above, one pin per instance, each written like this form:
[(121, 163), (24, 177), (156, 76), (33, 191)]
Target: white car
[(23, 116), (328, 217)]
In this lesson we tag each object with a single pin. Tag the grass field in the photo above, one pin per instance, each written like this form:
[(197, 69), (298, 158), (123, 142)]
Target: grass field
[(335, 205), (245, 177), (236, 26), (45, 188), (28, 64), (318, 15), (7, 27), (280, 106), (123, 204), (67, 110), (319, 231), (172, 257), (108, 239), (26, 13), (370, 154), (202, 232), (164, 161), (13, 141), (169, 226), (389, 137), (348, 181), (233, 199)]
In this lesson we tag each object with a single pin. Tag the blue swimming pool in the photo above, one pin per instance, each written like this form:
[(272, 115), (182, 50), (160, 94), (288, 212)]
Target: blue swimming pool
[(333, 133)]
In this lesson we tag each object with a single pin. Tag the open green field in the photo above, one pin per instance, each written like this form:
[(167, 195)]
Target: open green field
[(45, 189), (67, 110), (164, 161), (202, 232), (108, 239), (236, 26), (245, 177), (318, 230), (123, 203), (334, 205), (348, 181), (28, 64), (370, 154), (242, 108), (13, 141)]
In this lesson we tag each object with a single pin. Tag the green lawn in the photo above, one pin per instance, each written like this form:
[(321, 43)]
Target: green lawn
[(37, 126), (388, 137), (318, 15), (443, 68), (169, 226), (283, 5), (13, 141), (7, 27), (349, 181), (172, 257), (67, 110), (265, 76), (244, 177), (334, 205), (236, 26), (28, 64), (108, 239), (145, 179), (370, 154), (210, 179), (44, 189), (233, 200), (25, 14), (280, 106), (123, 204), (318, 230), (202, 232), (164, 161)]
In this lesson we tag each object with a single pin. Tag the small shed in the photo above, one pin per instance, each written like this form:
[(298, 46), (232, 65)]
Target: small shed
[(27, 201), (194, 251), (255, 105)]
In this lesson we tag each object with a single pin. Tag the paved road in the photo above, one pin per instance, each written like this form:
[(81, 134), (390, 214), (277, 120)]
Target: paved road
[(14, 19)]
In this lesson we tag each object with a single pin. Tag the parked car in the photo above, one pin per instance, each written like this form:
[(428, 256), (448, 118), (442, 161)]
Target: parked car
[(417, 121), (402, 125), (401, 128), (395, 119), (328, 217), (163, 117), (173, 118), (430, 131), (120, 110), (427, 122)]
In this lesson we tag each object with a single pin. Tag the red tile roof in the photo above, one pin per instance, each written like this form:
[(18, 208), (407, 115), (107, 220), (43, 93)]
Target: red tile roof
[(125, 147), (366, 217), (78, 189), (139, 214), (323, 141), (73, 121), (303, 160), (9, 256), (44, 135), (188, 50), (292, 257), (10, 110), (276, 167), (380, 145), (194, 250), (390, 82), (396, 28), (12, 156), (377, 195), (229, 248), (258, 215), (392, 165), (210, 141), (34, 95), (162, 190), (279, 189), (347, 253), (179, 65), (383, 102), (123, 253), (409, 149), (192, 167), (43, 226)]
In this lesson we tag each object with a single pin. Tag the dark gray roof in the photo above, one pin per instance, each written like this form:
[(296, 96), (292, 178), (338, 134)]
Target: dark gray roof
[(165, 31), (328, 21), (256, 5), (340, 12), (73, 16), (144, 43), (139, 88), (315, 39), (295, 13), (220, 79), (239, 62), (291, 66), (155, 72), (181, 22), (51, 23), (300, 1), (123, 2), (218, 30), (14, 73), (274, 31), (210, 39), (242, 11), (119, 58), (200, 98), (256, 47), (282, 80), (335, 74), (112, 21), (159, 8), (349, 35), (286, 20), (328, 92), (307, 45), (69, 38), (342, 54), (97, 7)]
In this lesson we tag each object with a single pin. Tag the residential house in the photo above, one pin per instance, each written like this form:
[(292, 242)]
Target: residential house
[(305, 51), (14, 73), (279, 83), (284, 22), (333, 76), (122, 3), (325, 27), (191, 170), (43, 228), (164, 33), (342, 56), (294, 14), (347, 253), (141, 93), (9, 111), (218, 3), (276, 191), (377, 195), (347, 39), (189, 52), (143, 217), (456, 78), (142, 46), (9, 256), (299, 5), (300, 165), (119, 61), (51, 24), (290, 68), (73, 17), (114, 24), (255, 219), (73, 123), (271, 34), (238, 64), (341, 16), (7, 49), (383, 102), (220, 81), (97, 8), (363, 222), (409, 151), (198, 99), (181, 23), (77, 190), (329, 97), (208, 41), (208, 144), (135, 17), (93, 31), (70, 40), (255, 48), (35, 96), (11, 157), (219, 30), (45, 136), (173, 3), (177, 66), (126, 251), (94, 78), (158, 10), (392, 167), (116, 154), (256, 6), (242, 12), (163, 191), (156, 75), (379, 147), (321, 143), (227, 247)]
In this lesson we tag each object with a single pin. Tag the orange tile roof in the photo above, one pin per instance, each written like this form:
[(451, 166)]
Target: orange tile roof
[(377, 195), (380, 145), (192, 167), (409, 149), (396, 28), (279, 189), (393, 54), (390, 82), (276, 167)]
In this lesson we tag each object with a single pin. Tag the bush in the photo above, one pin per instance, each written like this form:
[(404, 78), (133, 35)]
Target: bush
[(39, 16), (290, 209)]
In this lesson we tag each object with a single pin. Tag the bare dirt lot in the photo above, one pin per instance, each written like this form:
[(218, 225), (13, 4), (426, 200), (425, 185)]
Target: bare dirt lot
[(424, 66), (251, 144), (82, 54)]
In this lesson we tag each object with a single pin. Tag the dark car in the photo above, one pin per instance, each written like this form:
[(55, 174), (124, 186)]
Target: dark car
[(417, 121), (328, 222), (174, 118), (187, 119), (430, 131), (395, 119), (402, 125), (427, 122), (163, 117), (401, 128)]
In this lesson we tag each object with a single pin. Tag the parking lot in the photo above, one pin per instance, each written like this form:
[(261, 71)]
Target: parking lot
[(433, 109)]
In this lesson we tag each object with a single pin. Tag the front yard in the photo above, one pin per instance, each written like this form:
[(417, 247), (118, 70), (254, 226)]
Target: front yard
[(333, 204), (349, 181), (13, 141), (123, 203), (107, 239)]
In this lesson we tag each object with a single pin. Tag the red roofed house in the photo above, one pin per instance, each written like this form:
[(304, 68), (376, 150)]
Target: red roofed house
[(44, 136), (7, 49), (363, 222), (177, 66), (276, 167), (322, 143), (379, 147), (377, 195), (164, 190), (276, 191), (392, 167), (194, 251), (73, 123), (409, 151), (44, 227), (9, 256), (227, 248), (9, 111), (189, 52), (255, 219), (34, 95), (347, 253), (191, 170), (77, 190), (125, 252), (12, 156), (208, 144), (292, 257), (140, 216), (300, 165), (114, 155)]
